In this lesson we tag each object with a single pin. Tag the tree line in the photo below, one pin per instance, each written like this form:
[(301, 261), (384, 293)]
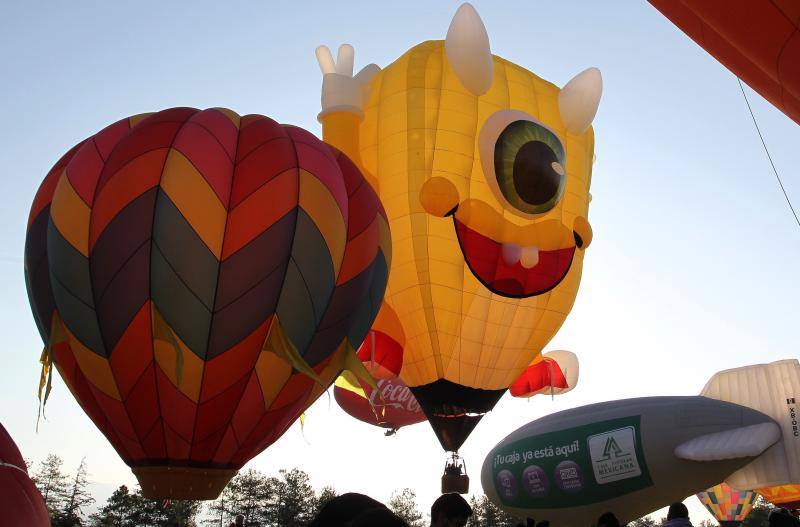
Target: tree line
[(283, 500)]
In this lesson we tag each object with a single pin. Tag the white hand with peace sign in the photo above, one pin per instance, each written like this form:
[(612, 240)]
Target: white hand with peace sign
[(341, 91)]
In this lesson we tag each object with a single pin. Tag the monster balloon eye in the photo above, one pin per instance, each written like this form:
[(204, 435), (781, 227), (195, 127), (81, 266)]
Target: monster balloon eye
[(529, 166)]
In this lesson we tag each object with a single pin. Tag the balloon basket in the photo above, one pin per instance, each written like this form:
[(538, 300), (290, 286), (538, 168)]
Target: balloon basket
[(182, 483), (455, 477)]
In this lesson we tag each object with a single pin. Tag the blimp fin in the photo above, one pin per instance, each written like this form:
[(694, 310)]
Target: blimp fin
[(747, 441)]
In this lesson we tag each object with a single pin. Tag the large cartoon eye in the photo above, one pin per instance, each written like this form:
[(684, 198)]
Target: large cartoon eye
[(529, 166), (523, 161)]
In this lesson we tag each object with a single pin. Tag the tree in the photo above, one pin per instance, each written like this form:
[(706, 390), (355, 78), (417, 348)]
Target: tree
[(404, 504), (176, 513), (487, 514), (645, 521), (126, 509), (324, 496), (76, 497), (248, 494), (292, 501), (118, 510), (708, 523), (52, 483), (758, 517)]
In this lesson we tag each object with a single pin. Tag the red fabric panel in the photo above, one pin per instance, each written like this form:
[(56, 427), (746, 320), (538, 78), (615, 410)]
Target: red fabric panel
[(9, 453), (204, 149), (20, 501), (128, 367), (229, 367), (537, 377), (756, 39), (388, 352), (177, 410)]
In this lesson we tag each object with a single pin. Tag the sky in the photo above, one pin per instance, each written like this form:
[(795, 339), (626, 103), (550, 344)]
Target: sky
[(693, 267)]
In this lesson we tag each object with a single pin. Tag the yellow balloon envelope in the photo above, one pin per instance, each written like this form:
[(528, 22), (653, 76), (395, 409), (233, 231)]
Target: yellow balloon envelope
[(487, 195)]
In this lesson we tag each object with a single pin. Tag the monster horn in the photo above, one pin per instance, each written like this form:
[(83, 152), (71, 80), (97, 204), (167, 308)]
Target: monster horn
[(467, 48), (579, 99)]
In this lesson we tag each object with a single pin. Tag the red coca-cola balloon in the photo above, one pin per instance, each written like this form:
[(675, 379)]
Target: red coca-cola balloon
[(396, 408), (20, 501)]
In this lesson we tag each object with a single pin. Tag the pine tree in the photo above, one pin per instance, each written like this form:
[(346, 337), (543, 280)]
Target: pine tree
[(127, 509), (404, 504), (118, 510), (52, 483), (76, 497), (248, 494), (324, 496), (487, 514), (645, 521), (292, 499)]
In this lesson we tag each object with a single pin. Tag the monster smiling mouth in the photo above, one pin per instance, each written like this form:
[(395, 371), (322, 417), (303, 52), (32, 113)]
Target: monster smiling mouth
[(510, 270)]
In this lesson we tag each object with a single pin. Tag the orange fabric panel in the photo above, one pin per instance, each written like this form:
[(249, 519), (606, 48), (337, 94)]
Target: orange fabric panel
[(261, 209)]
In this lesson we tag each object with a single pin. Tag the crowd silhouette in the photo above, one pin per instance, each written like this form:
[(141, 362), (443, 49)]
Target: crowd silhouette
[(452, 510)]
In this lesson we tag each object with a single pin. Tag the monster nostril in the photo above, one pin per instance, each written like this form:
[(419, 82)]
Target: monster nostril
[(578, 240), (439, 197)]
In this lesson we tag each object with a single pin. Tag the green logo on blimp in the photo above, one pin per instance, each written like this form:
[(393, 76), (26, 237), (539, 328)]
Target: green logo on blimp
[(578, 466)]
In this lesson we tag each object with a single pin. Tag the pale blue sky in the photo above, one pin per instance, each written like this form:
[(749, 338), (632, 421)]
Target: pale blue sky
[(693, 267)]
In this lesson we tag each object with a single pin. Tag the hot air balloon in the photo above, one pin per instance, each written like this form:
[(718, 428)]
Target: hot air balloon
[(554, 373), (787, 496), (730, 507), (758, 40), (484, 169), (199, 278), (390, 406), (20, 500)]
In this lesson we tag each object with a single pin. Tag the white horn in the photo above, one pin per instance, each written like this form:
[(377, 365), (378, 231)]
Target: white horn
[(579, 99), (467, 48)]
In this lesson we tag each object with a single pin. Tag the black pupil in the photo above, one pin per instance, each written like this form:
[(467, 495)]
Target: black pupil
[(534, 178)]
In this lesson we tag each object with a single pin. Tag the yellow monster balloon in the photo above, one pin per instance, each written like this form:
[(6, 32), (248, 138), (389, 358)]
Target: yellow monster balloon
[(484, 170)]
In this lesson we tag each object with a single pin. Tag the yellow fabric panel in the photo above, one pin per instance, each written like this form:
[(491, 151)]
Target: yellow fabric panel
[(166, 356), (273, 373), (70, 215), (136, 119), (320, 205), (234, 117), (196, 200), (420, 122), (96, 368)]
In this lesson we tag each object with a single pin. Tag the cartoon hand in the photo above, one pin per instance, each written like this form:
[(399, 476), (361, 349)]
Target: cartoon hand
[(341, 91)]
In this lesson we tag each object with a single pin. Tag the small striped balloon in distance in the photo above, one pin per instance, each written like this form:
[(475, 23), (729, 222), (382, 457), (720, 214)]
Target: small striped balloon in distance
[(729, 506), (199, 278)]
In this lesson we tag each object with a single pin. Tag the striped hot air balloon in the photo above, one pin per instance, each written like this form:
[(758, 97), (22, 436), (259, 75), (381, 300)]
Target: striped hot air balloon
[(199, 278), (730, 507)]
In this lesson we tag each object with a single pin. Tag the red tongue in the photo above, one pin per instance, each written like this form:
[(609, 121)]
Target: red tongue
[(511, 286), (485, 259)]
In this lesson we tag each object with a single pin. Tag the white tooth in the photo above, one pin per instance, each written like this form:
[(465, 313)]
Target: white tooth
[(530, 257), (511, 253)]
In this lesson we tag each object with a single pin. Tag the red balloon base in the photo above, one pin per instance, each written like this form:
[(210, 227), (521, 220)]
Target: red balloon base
[(183, 483)]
